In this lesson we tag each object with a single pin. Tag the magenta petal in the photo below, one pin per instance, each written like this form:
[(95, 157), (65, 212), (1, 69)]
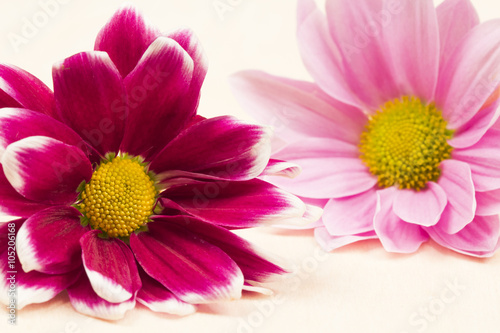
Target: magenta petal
[(18, 124), (350, 215), (296, 108), (193, 269), (462, 89), (479, 238), (90, 98), (488, 203), (281, 168), (456, 181), (484, 161), (110, 266), (159, 299), (32, 287), (46, 170), (160, 79), (223, 146), (14, 204), (422, 207), (125, 38), (86, 301), (19, 88), (253, 264), (455, 18), (330, 243), (236, 204), (48, 241), (395, 234)]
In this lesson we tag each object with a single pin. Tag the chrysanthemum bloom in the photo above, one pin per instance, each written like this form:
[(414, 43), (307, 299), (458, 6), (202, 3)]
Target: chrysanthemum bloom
[(120, 192), (397, 136)]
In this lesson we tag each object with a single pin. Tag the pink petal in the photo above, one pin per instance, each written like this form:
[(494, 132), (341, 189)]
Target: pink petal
[(14, 204), (18, 124), (110, 266), (191, 44), (295, 108), (159, 299), (422, 207), (456, 181), (350, 215), (330, 169), (125, 38), (281, 168), (32, 287), (488, 203), (395, 234), (321, 56), (479, 238), (254, 265), (86, 301), (471, 75), (455, 18), (235, 204), (46, 170), (194, 270), (329, 243), (19, 88), (48, 241), (161, 79), (90, 99), (484, 161), (228, 149)]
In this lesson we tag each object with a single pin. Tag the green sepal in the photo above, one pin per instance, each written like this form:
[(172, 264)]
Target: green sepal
[(84, 221)]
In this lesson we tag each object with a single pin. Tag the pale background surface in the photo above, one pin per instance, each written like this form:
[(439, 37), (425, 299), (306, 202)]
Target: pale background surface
[(359, 288)]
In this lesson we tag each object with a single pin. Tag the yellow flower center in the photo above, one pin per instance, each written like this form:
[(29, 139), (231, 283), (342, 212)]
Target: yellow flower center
[(404, 142), (119, 198)]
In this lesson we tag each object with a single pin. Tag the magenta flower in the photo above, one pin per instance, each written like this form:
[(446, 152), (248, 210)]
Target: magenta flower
[(397, 136), (120, 192)]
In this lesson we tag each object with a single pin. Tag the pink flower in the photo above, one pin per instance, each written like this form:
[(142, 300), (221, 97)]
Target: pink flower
[(397, 136), (120, 192)]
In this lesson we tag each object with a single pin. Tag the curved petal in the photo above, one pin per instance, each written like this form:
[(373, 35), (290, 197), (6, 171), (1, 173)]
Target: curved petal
[(296, 109), (281, 168), (159, 299), (422, 207), (14, 204), (488, 203), (86, 301), (455, 18), (18, 124), (479, 238), (89, 96), (48, 241), (350, 215), (223, 146), (395, 234), (254, 265), (320, 55), (236, 204), (46, 170), (471, 75), (194, 270), (329, 243), (19, 88), (456, 181), (32, 287), (161, 78), (330, 169), (483, 159), (110, 267), (125, 38)]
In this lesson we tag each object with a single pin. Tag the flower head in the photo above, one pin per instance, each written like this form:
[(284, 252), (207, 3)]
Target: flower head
[(120, 191), (397, 137)]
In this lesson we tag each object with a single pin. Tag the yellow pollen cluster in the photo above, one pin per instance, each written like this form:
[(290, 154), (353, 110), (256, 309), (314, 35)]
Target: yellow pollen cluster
[(404, 143), (119, 197)]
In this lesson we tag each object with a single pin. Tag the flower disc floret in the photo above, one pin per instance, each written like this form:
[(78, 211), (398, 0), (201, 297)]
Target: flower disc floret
[(404, 143), (119, 198)]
